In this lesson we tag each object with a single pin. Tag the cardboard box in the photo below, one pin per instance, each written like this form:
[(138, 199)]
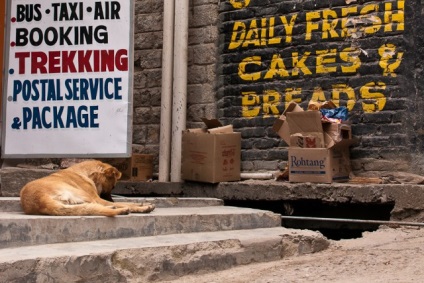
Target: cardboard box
[(306, 123), (295, 121), (139, 167), (329, 161), (281, 127), (337, 132), (319, 165), (305, 141), (211, 154)]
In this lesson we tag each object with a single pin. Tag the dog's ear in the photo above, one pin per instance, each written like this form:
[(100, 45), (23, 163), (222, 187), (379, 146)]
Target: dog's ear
[(113, 172)]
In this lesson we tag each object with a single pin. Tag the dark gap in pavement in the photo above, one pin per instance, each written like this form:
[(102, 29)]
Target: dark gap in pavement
[(321, 209)]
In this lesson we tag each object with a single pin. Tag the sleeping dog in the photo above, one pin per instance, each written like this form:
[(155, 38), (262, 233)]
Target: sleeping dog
[(82, 189)]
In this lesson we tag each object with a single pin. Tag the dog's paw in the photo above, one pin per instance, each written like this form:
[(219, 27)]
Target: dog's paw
[(143, 208), (149, 207), (147, 204), (123, 211)]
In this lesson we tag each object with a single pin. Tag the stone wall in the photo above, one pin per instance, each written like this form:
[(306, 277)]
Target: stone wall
[(249, 59), (359, 54), (202, 56)]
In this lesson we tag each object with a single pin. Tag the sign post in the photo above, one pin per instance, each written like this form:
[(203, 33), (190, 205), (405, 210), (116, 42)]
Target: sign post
[(69, 79)]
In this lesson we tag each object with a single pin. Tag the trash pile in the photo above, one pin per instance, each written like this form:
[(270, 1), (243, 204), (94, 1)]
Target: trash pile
[(318, 140)]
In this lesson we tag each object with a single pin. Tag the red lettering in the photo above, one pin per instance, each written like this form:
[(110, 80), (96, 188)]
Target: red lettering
[(68, 65), (96, 61), (54, 62), (108, 57), (21, 56), (84, 64), (81, 61), (121, 60), (38, 62)]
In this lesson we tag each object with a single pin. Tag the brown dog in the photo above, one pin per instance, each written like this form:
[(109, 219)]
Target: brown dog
[(76, 191)]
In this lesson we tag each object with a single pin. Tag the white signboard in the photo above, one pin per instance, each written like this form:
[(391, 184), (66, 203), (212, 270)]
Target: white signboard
[(69, 79)]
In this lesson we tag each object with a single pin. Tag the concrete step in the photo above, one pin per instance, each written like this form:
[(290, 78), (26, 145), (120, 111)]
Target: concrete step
[(9, 204), (154, 258), (18, 229)]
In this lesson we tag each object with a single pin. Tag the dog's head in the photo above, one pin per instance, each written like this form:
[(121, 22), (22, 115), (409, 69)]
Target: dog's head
[(104, 176)]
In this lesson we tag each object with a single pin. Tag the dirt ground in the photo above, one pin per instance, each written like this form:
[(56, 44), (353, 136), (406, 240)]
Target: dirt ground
[(386, 255)]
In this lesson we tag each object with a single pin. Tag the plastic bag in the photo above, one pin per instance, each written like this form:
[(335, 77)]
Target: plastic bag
[(340, 113)]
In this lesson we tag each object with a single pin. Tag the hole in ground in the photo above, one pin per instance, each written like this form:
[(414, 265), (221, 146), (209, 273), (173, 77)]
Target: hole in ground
[(320, 209)]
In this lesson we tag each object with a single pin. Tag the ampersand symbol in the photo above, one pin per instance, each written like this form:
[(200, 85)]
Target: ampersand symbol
[(16, 123), (390, 59)]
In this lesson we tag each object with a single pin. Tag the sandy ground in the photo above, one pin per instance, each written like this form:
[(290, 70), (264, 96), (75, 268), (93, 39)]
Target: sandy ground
[(386, 255)]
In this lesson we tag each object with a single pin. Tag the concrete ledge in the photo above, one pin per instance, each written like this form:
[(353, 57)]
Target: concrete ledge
[(18, 229), (12, 204), (154, 259), (13, 179), (408, 199)]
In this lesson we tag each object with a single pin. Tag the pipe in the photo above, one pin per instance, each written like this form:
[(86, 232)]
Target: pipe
[(166, 95), (179, 99), (352, 220), (256, 175)]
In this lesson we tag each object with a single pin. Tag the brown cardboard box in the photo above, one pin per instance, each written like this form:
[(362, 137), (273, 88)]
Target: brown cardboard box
[(327, 163), (139, 167), (281, 126), (296, 121), (337, 132), (319, 165), (305, 140), (212, 154), (306, 123)]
